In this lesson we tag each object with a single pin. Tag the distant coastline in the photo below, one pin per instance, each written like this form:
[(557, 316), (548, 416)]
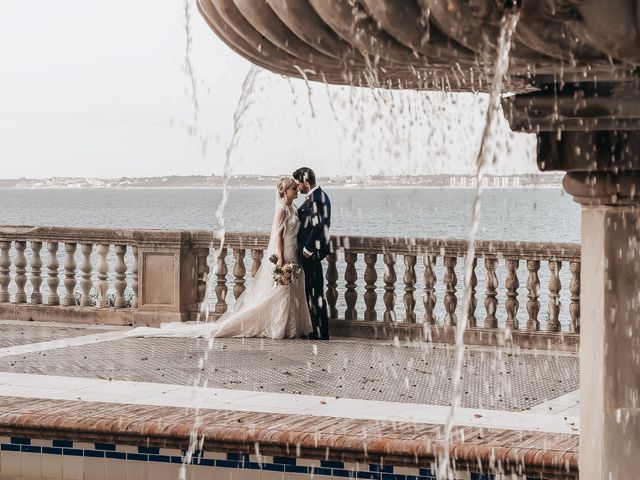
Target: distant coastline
[(251, 181)]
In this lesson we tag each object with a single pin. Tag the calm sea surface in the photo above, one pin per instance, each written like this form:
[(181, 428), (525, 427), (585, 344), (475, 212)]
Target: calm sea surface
[(507, 214), (544, 215)]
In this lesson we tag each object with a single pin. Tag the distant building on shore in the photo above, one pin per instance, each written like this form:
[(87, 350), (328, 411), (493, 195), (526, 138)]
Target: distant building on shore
[(511, 181)]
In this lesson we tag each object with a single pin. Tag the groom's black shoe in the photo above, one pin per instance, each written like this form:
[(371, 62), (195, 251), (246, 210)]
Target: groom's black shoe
[(313, 336)]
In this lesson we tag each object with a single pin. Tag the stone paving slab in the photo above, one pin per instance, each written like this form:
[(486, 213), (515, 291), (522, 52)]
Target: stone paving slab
[(491, 380), (20, 333)]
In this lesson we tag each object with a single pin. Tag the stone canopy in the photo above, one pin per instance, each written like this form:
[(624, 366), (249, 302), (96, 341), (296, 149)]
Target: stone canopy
[(430, 44)]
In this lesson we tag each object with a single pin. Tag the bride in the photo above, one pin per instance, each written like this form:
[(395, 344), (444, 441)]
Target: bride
[(264, 309)]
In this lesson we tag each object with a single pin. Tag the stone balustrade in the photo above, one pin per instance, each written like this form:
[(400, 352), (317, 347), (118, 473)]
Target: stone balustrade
[(375, 287)]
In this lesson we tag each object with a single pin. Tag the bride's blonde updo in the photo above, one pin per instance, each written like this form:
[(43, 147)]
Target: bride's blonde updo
[(283, 184)]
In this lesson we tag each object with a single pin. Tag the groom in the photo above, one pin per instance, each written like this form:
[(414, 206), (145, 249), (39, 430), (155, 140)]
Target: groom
[(313, 246)]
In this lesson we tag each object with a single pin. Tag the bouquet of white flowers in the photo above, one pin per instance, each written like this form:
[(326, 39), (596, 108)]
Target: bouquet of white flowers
[(286, 274)]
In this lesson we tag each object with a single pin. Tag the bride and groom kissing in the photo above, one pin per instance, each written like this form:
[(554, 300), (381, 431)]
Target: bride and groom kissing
[(268, 308)]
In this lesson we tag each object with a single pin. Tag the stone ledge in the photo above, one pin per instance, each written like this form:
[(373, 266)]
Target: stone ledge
[(395, 443), (569, 342), (71, 315)]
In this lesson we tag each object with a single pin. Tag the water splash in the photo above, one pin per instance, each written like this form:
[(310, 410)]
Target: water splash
[(188, 67), (244, 104), (303, 74), (485, 154)]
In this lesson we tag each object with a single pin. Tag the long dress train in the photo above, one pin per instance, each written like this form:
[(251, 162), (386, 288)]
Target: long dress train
[(264, 309)]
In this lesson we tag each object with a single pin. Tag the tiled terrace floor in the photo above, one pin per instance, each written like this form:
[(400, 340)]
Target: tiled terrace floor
[(23, 333), (491, 379), (518, 393)]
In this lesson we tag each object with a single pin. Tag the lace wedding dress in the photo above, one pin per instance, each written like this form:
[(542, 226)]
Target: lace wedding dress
[(264, 309)]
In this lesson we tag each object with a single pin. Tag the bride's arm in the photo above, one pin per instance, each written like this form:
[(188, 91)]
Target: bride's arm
[(280, 240)]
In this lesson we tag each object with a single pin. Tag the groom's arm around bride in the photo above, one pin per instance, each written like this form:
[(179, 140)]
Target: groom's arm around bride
[(313, 246)]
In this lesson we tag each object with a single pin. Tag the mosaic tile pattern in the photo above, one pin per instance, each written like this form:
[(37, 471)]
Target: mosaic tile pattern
[(12, 335), (368, 371), (241, 464)]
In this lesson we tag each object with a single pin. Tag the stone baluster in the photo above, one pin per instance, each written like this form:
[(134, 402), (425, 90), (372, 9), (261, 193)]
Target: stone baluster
[(85, 277), (390, 279), (491, 302), (574, 288), (370, 295), (120, 283), (70, 274), (52, 274), (134, 277), (350, 278), (429, 299), (102, 269), (256, 257), (473, 301), (221, 283), (450, 281), (409, 298), (239, 271), (21, 272), (512, 284), (554, 296), (533, 287), (202, 271), (332, 285), (5, 271), (36, 273)]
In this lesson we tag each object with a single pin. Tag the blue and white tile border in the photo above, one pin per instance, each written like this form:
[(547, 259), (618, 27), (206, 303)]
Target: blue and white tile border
[(229, 460)]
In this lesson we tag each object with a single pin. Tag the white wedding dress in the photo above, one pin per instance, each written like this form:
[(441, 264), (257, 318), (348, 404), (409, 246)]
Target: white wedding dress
[(264, 309)]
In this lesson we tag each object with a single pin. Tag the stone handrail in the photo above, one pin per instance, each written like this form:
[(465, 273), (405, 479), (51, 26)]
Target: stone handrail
[(166, 272)]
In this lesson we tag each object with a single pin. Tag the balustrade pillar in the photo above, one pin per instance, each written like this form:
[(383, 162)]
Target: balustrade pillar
[(120, 283), (239, 271), (102, 269), (21, 272), (409, 298), (221, 283), (533, 287), (332, 285), (70, 274), (473, 301), (512, 284), (134, 277), (370, 295), (5, 271), (350, 278), (52, 274), (203, 269), (256, 257), (491, 302), (554, 296), (36, 273), (429, 299), (574, 288), (390, 279), (85, 268), (450, 281)]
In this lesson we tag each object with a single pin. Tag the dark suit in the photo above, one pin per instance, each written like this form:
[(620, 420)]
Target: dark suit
[(315, 220)]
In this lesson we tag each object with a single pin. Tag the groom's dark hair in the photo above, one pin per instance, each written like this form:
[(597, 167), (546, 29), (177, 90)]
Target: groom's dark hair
[(305, 174)]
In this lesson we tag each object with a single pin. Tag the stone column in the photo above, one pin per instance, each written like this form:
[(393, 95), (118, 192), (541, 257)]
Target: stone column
[(610, 283), (610, 342), (592, 132)]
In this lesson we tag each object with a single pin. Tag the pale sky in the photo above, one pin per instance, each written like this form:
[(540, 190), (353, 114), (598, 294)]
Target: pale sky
[(98, 89)]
